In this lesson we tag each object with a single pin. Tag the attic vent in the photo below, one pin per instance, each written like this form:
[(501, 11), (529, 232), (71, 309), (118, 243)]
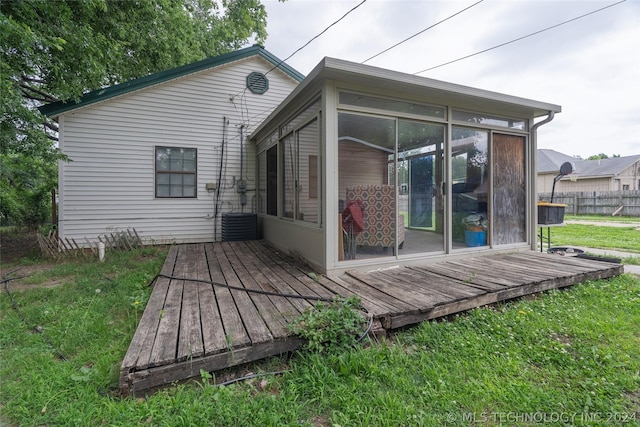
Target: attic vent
[(257, 83)]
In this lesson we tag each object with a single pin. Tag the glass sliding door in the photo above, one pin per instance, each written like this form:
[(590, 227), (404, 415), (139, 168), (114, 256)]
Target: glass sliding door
[(470, 187), (420, 176), (368, 218)]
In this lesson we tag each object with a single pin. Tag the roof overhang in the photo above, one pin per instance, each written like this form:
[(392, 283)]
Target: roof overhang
[(432, 91)]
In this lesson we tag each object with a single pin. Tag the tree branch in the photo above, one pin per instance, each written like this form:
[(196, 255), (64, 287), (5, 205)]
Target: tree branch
[(44, 97), (26, 78), (51, 126), (33, 97)]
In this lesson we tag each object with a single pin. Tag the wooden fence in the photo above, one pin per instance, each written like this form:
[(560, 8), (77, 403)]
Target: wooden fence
[(55, 247), (620, 203)]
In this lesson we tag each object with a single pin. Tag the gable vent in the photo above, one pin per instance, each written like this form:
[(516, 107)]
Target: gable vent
[(257, 83)]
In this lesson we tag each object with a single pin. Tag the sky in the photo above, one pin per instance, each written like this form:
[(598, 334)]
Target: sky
[(590, 66)]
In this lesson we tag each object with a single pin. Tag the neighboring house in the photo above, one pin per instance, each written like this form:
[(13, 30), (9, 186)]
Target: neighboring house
[(613, 174), (356, 167), (166, 154)]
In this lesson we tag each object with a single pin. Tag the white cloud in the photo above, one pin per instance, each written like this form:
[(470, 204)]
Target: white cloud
[(589, 66)]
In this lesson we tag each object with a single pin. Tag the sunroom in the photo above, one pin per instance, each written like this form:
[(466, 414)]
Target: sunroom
[(363, 168)]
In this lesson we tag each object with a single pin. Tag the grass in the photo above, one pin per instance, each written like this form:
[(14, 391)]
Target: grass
[(602, 218), (626, 239), (573, 353), (622, 238)]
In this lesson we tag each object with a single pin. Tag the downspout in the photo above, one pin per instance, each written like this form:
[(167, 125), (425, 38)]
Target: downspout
[(534, 178), (242, 183)]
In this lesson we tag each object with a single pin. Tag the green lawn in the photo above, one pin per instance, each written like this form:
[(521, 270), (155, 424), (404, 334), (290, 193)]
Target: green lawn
[(626, 239), (602, 218), (569, 355)]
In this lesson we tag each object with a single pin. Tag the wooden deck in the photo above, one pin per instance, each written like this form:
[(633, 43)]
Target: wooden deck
[(191, 325)]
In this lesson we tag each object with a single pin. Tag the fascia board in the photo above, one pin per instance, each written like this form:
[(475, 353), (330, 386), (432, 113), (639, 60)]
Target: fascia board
[(444, 92), (99, 95)]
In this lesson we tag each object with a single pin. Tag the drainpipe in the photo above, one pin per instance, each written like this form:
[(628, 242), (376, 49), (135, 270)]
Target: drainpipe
[(534, 174), (242, 183)]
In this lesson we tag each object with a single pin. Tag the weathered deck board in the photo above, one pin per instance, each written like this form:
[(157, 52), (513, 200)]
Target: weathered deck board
[(395, 292), (190, 343), (285, 309), (287, 273), (267, 311), (144, 337), (254, 324), (448, 271), (234, 333), (190, 325), (439, 285), (212, 328)]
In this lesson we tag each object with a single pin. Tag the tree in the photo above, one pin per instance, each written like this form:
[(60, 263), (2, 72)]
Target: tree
[(601, 156), (59, 49)]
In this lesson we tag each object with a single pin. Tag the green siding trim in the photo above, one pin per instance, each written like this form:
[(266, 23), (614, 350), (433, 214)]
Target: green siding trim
[(57, 108)]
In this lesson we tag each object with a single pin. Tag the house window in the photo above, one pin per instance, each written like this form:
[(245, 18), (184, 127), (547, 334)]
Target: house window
[(300, 161), (625, 187), (176, 170), (289, 185)]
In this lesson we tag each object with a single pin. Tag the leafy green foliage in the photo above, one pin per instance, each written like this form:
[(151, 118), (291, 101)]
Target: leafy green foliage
[(57, 50), (601, 156), (26, 188), (330, 326)]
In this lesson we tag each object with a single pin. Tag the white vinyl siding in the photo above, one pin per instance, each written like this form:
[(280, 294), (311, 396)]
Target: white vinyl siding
[(109, 182)]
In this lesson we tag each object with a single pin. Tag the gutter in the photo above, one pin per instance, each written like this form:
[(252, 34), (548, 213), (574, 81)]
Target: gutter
[(534, 176)]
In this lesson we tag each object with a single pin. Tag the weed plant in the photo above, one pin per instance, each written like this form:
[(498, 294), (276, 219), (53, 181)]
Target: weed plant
[(332, 326), (573, 355)]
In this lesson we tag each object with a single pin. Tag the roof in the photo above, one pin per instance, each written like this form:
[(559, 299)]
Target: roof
[(605, 167), (60, 107), (549, 161), (436, 91)]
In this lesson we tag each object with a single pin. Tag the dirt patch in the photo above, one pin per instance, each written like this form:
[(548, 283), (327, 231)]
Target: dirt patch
[(22, 273), (16, 247)]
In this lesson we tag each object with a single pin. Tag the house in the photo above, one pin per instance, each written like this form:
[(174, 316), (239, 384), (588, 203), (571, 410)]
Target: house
[(362, 167), (613, 174), (166, 154), (352, 167)]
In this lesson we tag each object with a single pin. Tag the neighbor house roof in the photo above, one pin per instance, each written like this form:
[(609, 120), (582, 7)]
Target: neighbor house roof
[(549, 161), (57, 108), (605, 167)]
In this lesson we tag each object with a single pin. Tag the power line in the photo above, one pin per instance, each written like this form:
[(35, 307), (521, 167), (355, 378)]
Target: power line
[(521, 38), (420, 32), (307, 43), (321, 33)]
